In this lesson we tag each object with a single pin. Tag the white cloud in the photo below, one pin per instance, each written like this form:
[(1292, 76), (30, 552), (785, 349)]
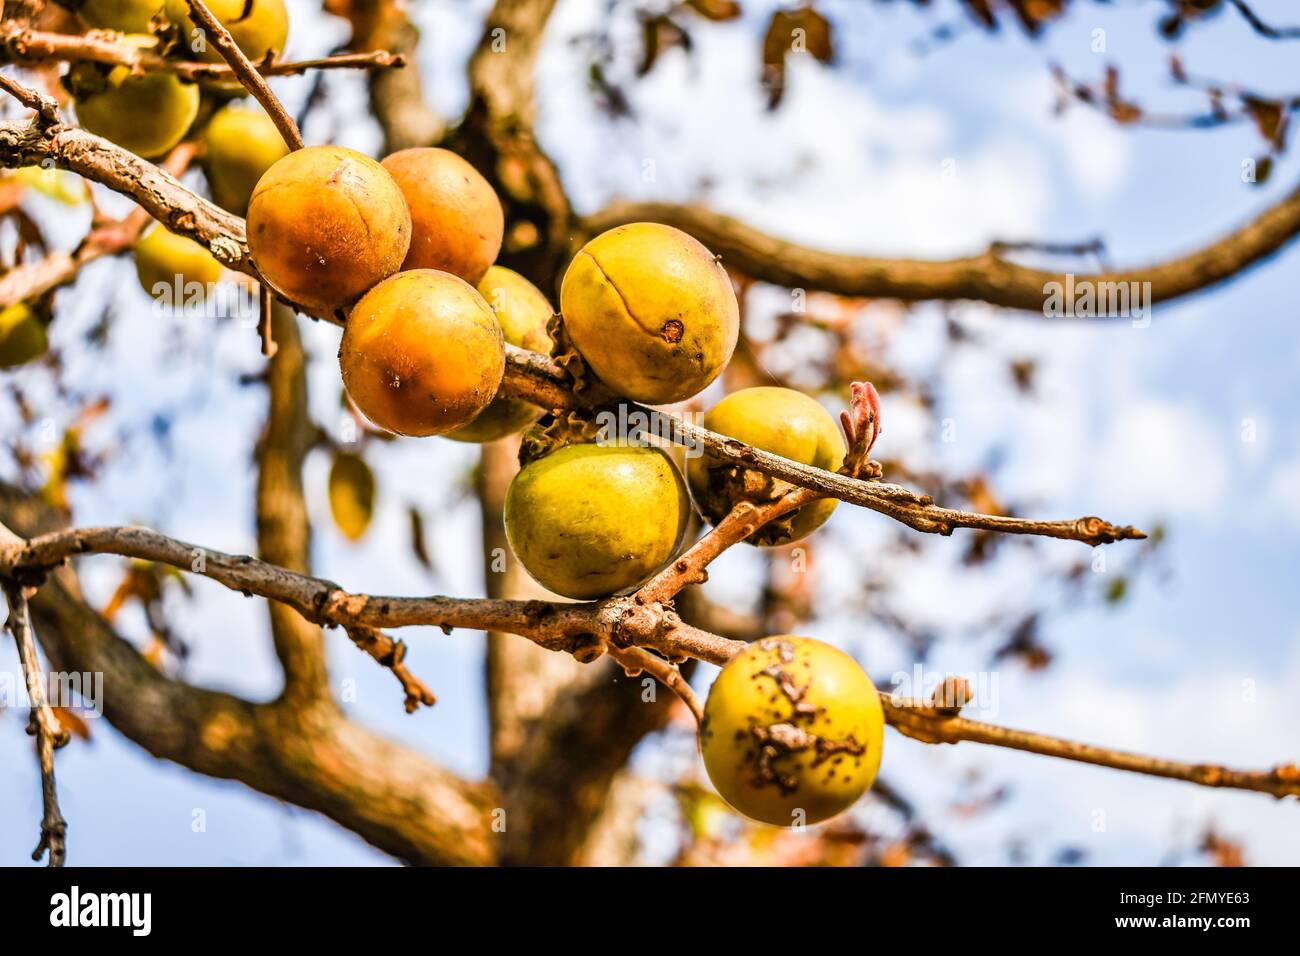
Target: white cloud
[(1162, 456)]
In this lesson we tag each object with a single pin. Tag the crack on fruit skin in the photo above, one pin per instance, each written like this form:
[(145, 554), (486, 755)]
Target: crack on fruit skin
[(627, 309)]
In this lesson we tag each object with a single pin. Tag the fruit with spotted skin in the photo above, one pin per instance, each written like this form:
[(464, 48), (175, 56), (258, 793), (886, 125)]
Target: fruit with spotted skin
[(422, 353), (523, 313), (162, 258), (147, 113), (779, 420), (587, 521), (651, 312), (456, 218), (792, 731), (325, 224), (242, 144), (129, 16)]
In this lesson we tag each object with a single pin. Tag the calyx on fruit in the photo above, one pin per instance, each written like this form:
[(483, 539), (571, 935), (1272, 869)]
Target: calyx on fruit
[(589, 520), (325, 224), (148, 113), (456, 218), (422, 353), (792, 731), (651, 311), (22, 335), (779, 420), (128, 16), (242, 144), (174, 269), (523, 313), (256, 26)]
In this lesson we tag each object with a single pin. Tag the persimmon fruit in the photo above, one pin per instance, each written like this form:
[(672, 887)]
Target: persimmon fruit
[(651, 312), (587, 521), (523, 313), (779, 420), (422, 353), (456, 218), (792, 731), (326, 224)]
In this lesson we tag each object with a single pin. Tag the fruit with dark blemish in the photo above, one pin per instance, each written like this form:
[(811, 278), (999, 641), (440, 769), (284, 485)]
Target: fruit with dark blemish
[(325, 224), (456, 218), (651, 311), (780, 420), (523, 313), (781, 768), (242, 144), (422, 353), (587, 521)]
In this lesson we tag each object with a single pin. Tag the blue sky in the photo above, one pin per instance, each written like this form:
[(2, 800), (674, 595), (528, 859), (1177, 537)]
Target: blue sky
[(1137, 425)]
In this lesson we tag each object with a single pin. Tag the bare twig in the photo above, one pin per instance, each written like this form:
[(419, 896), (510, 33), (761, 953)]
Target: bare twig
[(20, 44), (1262, 28), (264, 320), (42, 724), (47, 111), (391, 654), (742, 521), (930, 724), (634, 660), (245, 72)]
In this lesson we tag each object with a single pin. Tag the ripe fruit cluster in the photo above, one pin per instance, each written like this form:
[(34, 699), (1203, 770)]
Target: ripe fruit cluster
[(403, 251)]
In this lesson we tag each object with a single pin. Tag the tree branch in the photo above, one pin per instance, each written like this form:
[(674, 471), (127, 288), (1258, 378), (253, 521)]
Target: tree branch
[(584, 630), (42, 724), (245, 72), (20, 44), (987, 277)]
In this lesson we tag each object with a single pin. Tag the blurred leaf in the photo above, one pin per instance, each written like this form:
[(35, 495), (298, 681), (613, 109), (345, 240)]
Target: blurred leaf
[(802, 30), (352, 494), (717, 10), (72, 722), (1116, 590), (1270, 118), (658, 34), (1263, 170), (418, 546)]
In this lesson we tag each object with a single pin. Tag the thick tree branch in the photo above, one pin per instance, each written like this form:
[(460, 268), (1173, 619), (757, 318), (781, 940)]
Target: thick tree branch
[(987, 277)]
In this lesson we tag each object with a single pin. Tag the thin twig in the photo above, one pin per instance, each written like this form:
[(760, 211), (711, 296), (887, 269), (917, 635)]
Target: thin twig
[(47, 110), (634, 660), (19, 44), (391, 654), (742, 521), (264, 333), (42, 723), (245, 72)]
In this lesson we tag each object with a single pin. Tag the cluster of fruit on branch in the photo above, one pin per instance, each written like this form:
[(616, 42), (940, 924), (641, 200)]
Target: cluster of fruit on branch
[(404, 250)]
